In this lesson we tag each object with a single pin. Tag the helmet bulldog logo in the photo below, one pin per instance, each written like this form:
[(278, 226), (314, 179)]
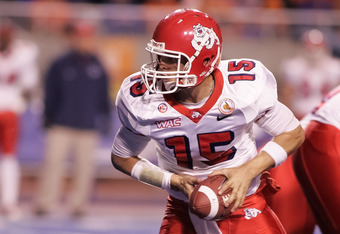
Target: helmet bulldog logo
[(203, 36)]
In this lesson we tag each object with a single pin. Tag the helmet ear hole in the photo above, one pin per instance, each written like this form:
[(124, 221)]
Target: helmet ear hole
[(206, 62)]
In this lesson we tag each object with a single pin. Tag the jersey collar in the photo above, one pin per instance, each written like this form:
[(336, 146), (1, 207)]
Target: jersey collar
[(197, 114)]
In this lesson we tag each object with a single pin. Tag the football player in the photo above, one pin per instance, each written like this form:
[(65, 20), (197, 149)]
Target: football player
[(200, 112), (18, 76), (317, 162), (306, 79), (310, 75)]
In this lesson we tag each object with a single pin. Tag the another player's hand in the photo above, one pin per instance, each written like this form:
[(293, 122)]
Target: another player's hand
[(239, 181), (184, 183)]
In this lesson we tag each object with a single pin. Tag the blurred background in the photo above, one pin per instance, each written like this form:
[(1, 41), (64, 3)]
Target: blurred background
[(266, 30)]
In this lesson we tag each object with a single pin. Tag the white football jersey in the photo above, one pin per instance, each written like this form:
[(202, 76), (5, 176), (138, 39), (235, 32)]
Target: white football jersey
[(310, 81), (18, 72), (328, 111), (198, 140)]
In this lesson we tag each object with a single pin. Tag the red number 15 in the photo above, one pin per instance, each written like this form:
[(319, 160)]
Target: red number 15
[(207, 145), (246, 65)]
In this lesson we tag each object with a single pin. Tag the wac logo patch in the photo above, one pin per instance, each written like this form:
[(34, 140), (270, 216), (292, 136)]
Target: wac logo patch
[(169, 123)]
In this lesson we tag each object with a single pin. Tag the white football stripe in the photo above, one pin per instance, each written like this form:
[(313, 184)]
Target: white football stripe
[(213, 200)]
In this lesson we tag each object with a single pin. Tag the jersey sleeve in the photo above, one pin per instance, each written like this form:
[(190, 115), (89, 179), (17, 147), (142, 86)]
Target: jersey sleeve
[(131, 138), (328, 111), (127, 144), (268, 94), (130, 109), (274, 117), (278, 119)]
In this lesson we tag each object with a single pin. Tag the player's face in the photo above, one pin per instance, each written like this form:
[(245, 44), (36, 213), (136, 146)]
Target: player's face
[(168, 64)]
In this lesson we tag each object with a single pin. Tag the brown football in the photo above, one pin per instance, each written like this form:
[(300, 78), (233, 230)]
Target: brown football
[(205, 201)]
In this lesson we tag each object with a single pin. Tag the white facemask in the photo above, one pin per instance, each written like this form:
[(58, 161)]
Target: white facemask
[(169, 85)]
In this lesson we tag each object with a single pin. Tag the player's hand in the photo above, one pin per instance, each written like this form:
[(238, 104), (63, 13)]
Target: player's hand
[(238, 181), (184, 183)]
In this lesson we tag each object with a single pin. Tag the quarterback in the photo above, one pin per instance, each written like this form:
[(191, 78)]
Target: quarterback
[(200, 111)]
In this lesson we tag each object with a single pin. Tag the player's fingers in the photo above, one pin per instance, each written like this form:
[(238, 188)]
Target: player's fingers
[(189, 192), (239, 199), (189, 183), (236, 198), (225, 186), (194, 181), (231, 199), (236, 205)]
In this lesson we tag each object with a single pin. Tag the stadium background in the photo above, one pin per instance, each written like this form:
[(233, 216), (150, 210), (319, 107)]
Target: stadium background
[(265, 30)]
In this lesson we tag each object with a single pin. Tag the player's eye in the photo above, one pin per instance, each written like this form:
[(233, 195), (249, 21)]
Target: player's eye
[(166, 60)]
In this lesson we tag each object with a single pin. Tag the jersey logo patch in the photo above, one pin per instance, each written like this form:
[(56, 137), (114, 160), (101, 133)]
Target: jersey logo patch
[(226, 106), (162, 108), (195, 114)]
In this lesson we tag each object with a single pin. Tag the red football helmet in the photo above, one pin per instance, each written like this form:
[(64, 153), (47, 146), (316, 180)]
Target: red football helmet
[(188, 37)]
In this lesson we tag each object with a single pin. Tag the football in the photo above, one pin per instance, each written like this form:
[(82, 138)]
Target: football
[(205, 201)]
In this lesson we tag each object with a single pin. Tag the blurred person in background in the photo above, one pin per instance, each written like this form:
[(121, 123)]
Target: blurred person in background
[(19, 75), (77, 110), (317, 162), (305, 78)]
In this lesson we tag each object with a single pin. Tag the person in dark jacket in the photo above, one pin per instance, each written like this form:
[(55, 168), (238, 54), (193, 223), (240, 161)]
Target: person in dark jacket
[(77, 107)]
